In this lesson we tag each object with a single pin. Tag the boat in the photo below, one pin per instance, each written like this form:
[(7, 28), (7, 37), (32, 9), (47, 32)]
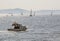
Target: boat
[(15, 30), (21, 29), (17, 27)]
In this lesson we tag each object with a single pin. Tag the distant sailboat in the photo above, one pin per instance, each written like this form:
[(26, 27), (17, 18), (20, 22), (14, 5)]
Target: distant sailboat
[(51, 12), (11, 14), (21, 13), (31, 13), (34, 13)]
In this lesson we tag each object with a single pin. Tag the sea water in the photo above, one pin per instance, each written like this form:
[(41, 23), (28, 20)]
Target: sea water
[(40, 28)]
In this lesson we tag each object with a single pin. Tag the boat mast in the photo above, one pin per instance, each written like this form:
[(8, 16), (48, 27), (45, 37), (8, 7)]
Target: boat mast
[(31, 12), (34, 13), (51, 12)]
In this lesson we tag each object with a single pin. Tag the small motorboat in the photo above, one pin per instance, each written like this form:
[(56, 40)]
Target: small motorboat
[(18, 27)]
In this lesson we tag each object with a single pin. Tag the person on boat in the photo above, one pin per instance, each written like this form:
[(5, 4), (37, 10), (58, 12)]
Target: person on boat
[(16, 25), (19, 26)]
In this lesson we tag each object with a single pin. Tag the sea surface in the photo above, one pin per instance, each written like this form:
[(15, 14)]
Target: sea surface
[(40, 28)]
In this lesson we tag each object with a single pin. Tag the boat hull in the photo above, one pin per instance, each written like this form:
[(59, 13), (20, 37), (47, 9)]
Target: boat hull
[(16, 30), (23, 28)]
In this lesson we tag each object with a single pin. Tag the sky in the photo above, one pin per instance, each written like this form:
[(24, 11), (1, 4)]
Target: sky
[(30, 4)]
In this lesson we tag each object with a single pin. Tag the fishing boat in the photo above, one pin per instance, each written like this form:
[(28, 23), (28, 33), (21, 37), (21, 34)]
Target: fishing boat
[(18, 27)]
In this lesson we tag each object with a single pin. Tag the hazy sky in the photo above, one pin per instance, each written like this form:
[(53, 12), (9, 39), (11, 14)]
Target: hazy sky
[(30, 4)]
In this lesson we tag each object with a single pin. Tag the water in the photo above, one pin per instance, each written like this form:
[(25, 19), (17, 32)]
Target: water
[(40, 28)]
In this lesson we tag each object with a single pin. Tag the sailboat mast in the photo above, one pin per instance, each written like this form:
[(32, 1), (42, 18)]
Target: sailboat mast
[(34, 13), (31, 13), (51, 12)]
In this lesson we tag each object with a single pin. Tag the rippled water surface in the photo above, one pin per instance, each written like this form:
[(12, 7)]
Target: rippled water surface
[(40, 28)]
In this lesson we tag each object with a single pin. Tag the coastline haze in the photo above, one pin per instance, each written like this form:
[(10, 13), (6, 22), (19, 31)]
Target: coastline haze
[(30, 4)]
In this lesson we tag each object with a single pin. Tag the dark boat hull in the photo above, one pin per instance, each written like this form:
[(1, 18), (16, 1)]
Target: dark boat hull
[(21, 29), (16, 30)]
